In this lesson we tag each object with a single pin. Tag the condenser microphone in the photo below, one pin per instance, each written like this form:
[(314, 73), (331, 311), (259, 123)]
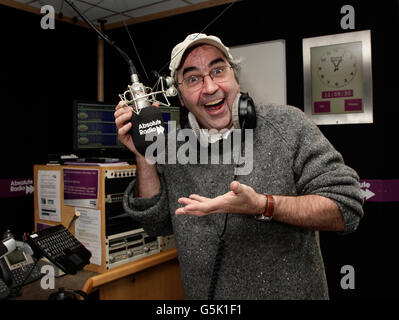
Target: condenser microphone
[(148, 123)]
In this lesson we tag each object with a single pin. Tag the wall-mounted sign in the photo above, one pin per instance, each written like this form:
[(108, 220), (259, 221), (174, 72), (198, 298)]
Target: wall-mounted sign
[(18, 187), (375, 190), (337, 78), (81, 187)]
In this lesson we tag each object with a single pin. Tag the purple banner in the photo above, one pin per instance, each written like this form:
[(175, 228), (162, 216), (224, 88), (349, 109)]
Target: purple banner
[(81, 187), (21, 187), (41, 226), (380, 190)]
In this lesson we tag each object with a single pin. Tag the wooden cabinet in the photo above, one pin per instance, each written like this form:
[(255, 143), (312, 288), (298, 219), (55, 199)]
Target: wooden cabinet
[(156, 276)]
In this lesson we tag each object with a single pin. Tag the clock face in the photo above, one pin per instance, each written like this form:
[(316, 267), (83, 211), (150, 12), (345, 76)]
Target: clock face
[(338, 79), (337, 67)]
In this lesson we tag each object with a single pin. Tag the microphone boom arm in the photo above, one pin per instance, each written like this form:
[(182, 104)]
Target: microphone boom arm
[(139, 94), (132, 68)]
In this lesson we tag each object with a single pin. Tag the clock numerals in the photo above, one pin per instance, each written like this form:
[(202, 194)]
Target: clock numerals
[(337, 67)]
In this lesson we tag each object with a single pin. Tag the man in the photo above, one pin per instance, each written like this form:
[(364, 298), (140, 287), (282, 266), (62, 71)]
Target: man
[(263, 224)]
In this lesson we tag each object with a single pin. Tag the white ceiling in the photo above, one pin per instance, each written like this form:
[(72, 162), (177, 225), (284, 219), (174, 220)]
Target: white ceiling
[(113, 10)]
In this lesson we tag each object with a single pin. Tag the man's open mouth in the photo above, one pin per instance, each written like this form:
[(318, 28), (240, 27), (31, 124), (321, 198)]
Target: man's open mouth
[(214, 105)]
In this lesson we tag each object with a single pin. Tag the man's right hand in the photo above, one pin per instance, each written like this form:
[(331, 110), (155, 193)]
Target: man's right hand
[(122, 115), (148, 183)]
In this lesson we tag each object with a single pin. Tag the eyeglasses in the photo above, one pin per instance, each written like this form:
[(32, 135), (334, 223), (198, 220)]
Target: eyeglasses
[(195, 81)]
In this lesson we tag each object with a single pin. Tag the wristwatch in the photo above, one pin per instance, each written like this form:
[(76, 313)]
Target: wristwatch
[(267, 215)]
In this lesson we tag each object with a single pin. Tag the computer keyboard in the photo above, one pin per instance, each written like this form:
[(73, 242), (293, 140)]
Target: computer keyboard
[(59, 246)]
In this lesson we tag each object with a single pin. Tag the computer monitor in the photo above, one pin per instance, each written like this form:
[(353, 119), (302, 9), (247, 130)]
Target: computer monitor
[(95, 132)]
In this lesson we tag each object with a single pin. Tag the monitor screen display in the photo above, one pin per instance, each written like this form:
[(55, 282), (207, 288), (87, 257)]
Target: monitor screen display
[(94, 126)]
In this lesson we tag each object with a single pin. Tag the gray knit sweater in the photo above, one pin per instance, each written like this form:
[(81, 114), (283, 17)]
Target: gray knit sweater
[(261, 260)]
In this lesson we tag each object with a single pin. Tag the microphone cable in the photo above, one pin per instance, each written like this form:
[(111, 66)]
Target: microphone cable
[(221, 245), (218, 262), (132, 68)]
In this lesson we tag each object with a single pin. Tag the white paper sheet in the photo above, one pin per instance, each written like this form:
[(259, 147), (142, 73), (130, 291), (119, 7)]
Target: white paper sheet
[(48, 194), (88, 232)]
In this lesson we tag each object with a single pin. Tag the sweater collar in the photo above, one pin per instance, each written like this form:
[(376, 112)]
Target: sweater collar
[(206, 136)]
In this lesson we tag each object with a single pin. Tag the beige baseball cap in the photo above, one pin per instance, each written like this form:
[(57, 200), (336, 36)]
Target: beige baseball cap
[(191, 40)]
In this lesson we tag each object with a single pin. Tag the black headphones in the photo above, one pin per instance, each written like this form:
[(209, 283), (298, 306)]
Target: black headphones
[(243, 113)]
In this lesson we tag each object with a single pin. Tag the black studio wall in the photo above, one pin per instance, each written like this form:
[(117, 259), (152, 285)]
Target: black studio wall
[(41, 73)]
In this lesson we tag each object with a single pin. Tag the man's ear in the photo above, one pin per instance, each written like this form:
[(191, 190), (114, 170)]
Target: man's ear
[(181, 100)]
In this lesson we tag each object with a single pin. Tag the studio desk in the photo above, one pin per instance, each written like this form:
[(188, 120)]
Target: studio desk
[(155, 277)]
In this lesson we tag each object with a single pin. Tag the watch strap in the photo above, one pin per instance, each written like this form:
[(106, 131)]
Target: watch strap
[(267, 215)]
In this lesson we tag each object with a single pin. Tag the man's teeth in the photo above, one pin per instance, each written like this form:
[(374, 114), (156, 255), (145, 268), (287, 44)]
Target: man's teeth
[(213, 103)]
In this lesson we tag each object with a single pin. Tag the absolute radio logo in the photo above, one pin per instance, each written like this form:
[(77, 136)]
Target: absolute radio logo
[(150, 127), (10, 188)]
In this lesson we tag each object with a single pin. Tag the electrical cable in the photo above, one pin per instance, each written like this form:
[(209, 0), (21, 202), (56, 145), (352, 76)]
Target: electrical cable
[(135, 49), (220, 249), (218, 262), (202, 31), (132, 68)]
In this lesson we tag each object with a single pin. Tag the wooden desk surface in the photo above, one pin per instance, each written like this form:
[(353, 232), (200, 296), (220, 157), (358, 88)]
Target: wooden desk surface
[(128, 269), (154, 277), (34, 291)]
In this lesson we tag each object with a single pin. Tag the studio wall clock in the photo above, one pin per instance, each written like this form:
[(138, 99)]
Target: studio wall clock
[(338, 79)]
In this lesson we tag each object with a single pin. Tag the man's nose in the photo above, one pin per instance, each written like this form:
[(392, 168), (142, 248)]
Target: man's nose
[(209, 85)]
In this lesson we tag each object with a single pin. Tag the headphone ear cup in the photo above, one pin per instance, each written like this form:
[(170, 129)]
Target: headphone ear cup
[(248, 111), (243, 112)]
